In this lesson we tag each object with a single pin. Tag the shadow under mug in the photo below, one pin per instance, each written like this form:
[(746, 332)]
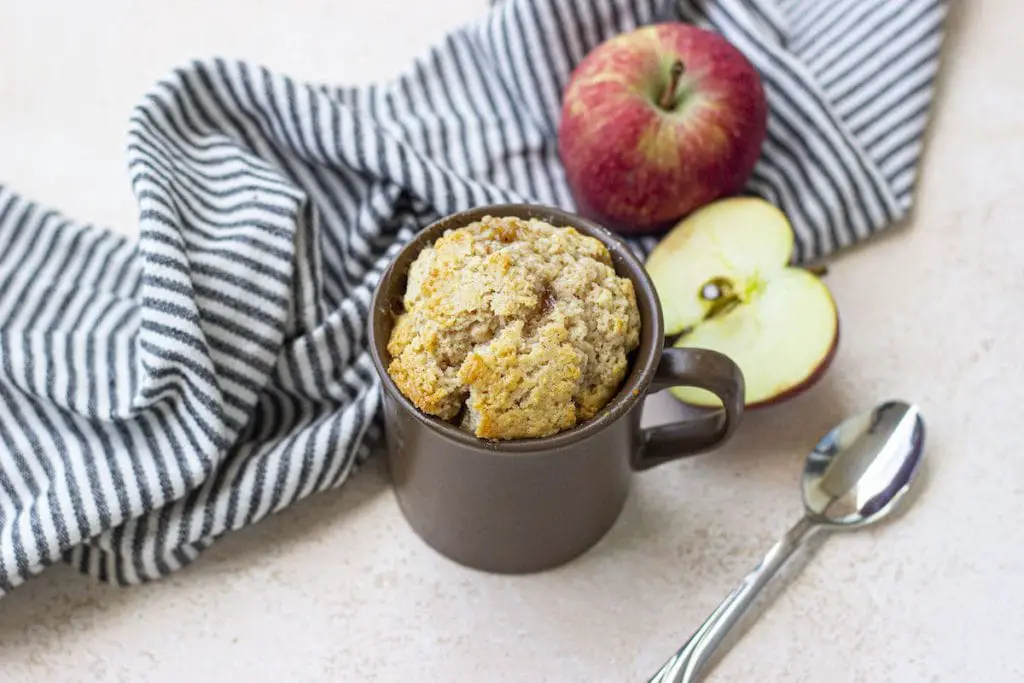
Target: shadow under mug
[(532, 504)]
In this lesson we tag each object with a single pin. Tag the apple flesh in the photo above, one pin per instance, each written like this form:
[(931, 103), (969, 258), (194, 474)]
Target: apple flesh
[(725, 283), (657, 122)]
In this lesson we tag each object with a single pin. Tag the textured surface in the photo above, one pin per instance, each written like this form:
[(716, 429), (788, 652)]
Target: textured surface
[(522, 322), (339, 589)]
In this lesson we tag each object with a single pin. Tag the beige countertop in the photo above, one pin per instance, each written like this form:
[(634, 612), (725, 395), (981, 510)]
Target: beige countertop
[(339, 589)]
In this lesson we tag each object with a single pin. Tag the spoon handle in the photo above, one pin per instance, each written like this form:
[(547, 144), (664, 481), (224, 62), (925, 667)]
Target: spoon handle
[(687, 662)]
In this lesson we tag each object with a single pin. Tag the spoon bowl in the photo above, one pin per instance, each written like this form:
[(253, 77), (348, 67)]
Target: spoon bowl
[(861, 471)]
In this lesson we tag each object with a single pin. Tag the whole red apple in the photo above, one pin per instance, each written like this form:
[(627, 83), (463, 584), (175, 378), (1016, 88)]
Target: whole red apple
[(657, 122)]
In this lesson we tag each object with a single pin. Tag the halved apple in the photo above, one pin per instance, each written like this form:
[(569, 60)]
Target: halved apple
[(725, 282)]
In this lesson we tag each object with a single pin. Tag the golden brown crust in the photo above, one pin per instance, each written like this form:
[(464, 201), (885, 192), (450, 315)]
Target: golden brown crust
[(524, 324)]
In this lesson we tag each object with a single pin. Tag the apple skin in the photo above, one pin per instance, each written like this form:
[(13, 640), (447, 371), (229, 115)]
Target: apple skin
[(637, 167)]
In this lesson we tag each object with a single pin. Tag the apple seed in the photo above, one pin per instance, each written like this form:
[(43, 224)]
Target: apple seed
[(721, 294), (715, 288)]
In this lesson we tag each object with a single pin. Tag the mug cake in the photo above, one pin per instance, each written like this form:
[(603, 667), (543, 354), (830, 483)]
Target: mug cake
[(513, 328)]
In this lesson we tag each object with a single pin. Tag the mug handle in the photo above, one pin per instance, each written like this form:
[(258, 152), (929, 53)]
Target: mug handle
[(701, 368)]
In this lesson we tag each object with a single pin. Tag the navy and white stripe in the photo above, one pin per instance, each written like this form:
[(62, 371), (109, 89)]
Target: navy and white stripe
[(157, 393)]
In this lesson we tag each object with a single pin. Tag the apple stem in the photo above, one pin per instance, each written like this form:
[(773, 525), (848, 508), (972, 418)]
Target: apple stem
[(817, 270), (669, 96)]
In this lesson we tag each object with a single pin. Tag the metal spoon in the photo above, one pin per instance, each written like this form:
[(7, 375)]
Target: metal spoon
[(857, 474)]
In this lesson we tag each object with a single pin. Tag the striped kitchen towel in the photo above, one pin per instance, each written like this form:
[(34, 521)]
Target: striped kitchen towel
[(157, 393)]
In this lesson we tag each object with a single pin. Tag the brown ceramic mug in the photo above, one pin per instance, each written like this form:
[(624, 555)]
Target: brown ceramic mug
[(527, 505)]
